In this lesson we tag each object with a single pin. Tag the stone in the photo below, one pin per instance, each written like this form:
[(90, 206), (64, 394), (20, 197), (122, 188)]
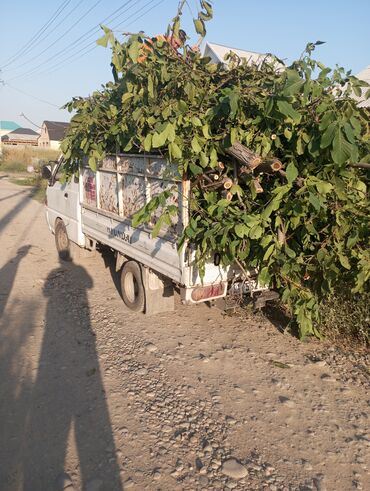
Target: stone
[(129, 483), (203, 480), (156, 475), (230, 420), (286, 401), (234, 469), (151, 348), (231, 485), (142, 371)]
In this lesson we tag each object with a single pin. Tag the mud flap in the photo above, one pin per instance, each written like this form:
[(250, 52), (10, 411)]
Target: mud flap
[(159, 293)]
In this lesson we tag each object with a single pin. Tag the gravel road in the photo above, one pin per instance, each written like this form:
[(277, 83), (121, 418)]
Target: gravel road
[(96, 398)]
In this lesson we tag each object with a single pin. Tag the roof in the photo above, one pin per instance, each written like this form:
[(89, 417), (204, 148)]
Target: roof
[(365, 76), (24, 131), (217, 52), (56, 129), (21, 134), (8, 125)]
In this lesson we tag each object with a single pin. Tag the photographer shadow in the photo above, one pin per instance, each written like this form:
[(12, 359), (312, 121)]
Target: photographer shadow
[(68, 414)]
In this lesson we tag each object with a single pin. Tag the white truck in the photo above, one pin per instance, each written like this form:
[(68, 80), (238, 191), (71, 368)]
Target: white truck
[(96, 208)]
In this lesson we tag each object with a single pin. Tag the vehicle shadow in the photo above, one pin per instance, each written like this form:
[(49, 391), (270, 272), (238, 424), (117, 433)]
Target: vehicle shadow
[(68, 418), (110, 264)]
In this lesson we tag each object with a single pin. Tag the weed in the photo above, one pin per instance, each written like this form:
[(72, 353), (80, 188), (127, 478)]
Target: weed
[(345, 318)]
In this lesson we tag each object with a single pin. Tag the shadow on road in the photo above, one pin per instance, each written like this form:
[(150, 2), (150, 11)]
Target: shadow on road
[(14, 211), (68, 408), (8, 274), (14, 194)]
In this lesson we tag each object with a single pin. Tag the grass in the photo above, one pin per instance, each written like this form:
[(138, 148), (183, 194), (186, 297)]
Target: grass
[(17, 159), (36, 182), (15, 162)]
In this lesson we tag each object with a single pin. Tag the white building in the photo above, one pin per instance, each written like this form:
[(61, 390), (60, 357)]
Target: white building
[(52, 133)]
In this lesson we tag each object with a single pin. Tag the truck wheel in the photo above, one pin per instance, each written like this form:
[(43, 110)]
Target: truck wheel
[(62, 241), (132, 287)]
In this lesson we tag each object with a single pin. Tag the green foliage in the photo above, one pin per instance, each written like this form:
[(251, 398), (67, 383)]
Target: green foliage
[(346, 317), (192, 110)]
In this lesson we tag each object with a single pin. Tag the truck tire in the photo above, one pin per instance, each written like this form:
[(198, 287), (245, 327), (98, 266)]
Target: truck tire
[(62, 240), (132, 286)]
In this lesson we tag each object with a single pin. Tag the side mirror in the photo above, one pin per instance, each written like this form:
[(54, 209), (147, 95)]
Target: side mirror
[(46, 172)]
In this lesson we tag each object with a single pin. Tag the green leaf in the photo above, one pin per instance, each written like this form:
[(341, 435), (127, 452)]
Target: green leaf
[(324, 187), (157, 226), (256, 232), (150, 86), (158, 140), (328, 136), (175, 151), (148, 142), (293, 83), (291, 172), (200, 27), (126, 96), (315, 202), (264, 277), (269, 251), (195, 145), (241, 230), (342, 149), (344, 261), (134, 50), (287, 110)]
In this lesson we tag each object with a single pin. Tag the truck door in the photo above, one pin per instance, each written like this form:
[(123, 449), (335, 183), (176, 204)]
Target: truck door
[(63, 202)]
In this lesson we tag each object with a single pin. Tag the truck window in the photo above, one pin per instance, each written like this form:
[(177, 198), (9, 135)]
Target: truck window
[(59, 171)]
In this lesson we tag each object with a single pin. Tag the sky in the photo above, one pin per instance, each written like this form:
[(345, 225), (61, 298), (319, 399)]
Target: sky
[(48, 52)]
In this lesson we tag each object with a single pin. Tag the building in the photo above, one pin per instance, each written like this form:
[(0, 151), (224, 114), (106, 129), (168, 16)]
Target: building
[(365, 76), (7, 126), (217, 53), (52, 133), (21, 136)]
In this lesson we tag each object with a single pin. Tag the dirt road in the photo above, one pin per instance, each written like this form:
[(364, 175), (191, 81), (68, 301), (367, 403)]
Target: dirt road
[(95, 398)]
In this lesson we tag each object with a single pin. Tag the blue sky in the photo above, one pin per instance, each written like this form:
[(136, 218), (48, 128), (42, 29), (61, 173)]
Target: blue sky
[(61, 61)]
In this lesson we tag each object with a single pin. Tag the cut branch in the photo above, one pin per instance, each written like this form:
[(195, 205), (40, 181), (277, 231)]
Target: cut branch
[(249, 159), (270, 165), (360, 165), (257, 186)]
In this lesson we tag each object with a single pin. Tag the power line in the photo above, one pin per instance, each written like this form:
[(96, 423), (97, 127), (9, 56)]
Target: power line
[(83, 16), (58, 67), (30, 95), (87, 34), (93, 46), (87, 48), (22, 115), (28, 45)]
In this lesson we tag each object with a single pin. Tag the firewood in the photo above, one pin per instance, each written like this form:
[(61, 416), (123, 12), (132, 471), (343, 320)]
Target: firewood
[(227, 183), (281, 236), (360, 165), (227, 195), (248, 158), (269, 165), (257, 186)]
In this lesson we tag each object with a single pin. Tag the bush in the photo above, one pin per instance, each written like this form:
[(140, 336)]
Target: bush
[(346, 317)]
